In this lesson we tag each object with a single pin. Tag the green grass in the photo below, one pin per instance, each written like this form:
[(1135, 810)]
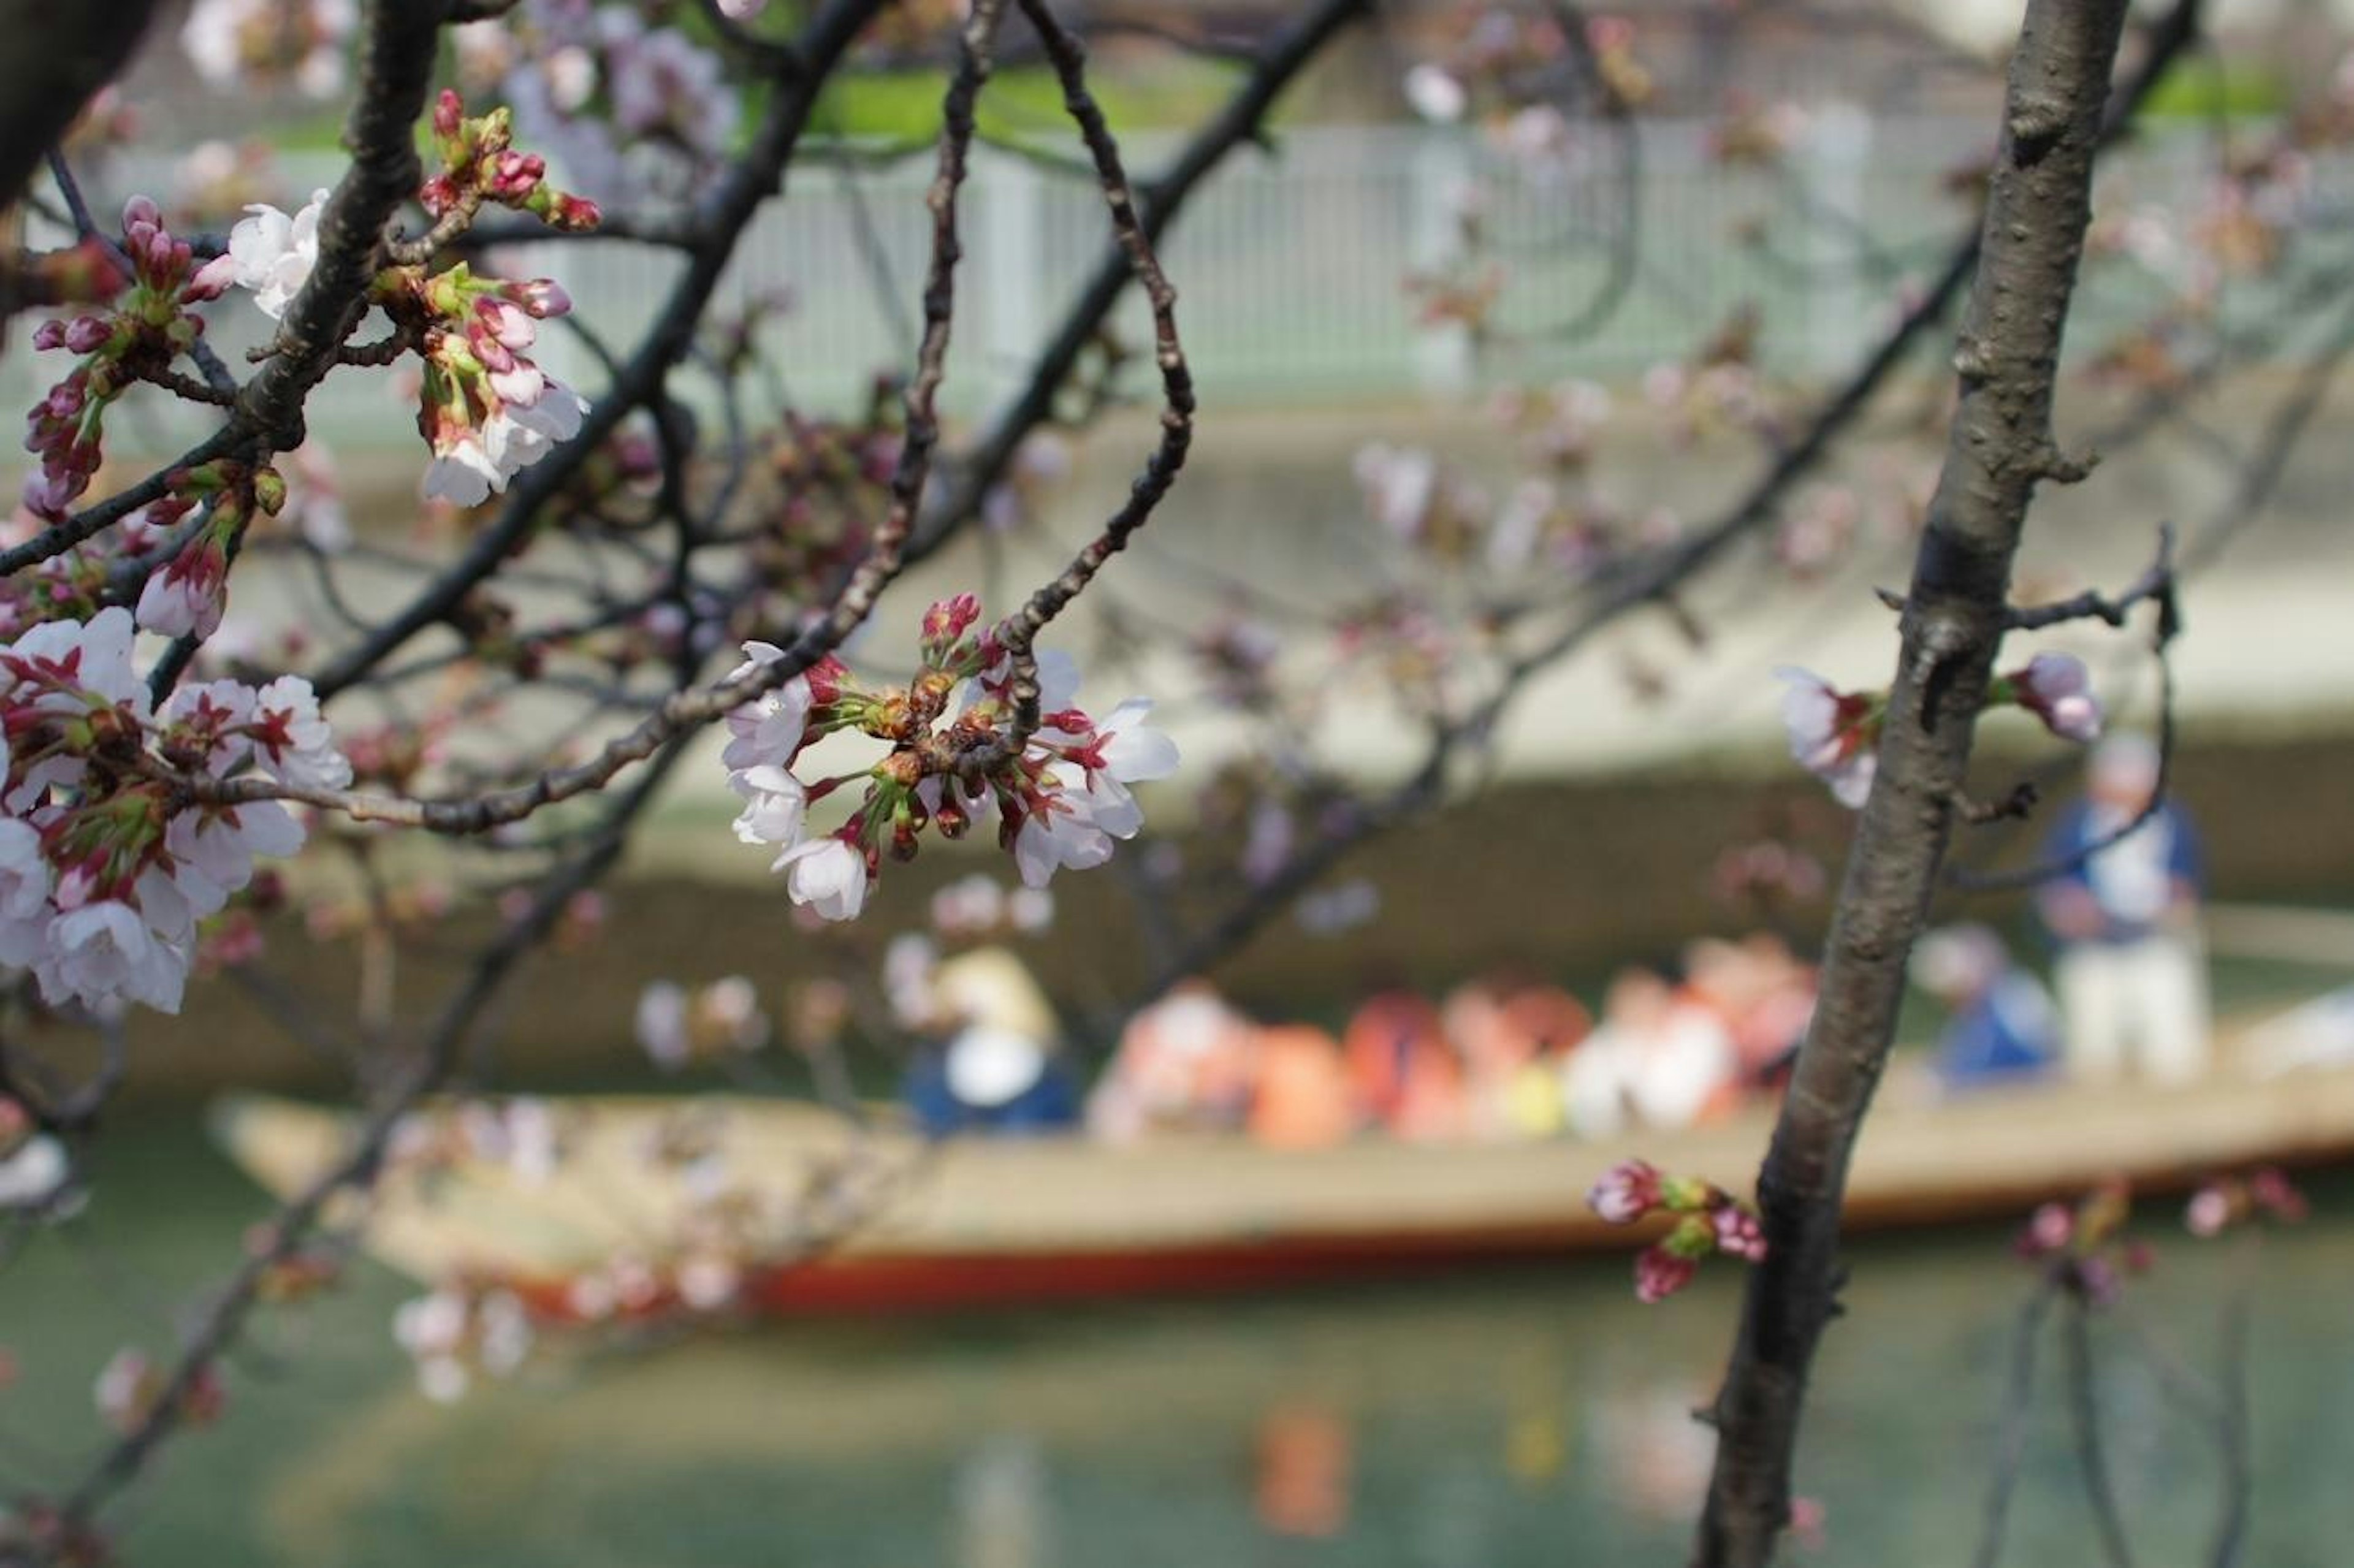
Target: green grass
[(2201, 87)]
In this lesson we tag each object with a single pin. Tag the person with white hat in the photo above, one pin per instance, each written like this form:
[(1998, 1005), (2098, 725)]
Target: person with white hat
[(2132, 969)]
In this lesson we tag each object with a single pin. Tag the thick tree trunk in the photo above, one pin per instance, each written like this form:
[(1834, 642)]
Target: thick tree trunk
[(2001, 446), (59, 53)]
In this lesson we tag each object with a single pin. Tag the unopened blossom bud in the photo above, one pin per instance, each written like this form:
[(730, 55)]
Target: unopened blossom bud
[(2057, 689), (1738, 1233), (951, 817), (1660, 1273), (949, 619), (449, 113), (141, 218), (2208, 1210), (571, 213), (269, 490), (1627, 1191), (516, 174), (88, 333), (50, 334), (211, 280), (541, 297)]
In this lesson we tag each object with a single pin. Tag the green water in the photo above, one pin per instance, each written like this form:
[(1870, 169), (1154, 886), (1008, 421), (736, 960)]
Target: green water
[(1489, 1421)]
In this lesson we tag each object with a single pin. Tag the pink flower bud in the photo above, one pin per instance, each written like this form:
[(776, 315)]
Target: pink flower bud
[(1739, 1233), (1625, 1192), (2056, 688), (949, 619), (1660, 1273), (541, 297), (88, 333), (50, 334), (212, 279), (449, 109), (2209, 1212)]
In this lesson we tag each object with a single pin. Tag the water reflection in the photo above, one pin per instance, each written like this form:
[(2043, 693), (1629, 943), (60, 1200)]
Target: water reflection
[(1530, 1417)]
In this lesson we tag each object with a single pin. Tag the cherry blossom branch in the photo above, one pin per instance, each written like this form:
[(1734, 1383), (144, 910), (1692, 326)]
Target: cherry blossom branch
[(2011, 1445), (1020, 631), (719, 225), (2084, 1423), (224, 1319), (2156, 586), (1242, 119), (399, 44), (2002, 447)]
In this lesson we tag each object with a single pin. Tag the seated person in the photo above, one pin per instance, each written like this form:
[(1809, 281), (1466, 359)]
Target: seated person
[(2003, 1027), (1184, 1064), (1303, 1099), (1762, 993), (1659, 1057), (1405, 1075), (1002, 1071), (1510, 1037)]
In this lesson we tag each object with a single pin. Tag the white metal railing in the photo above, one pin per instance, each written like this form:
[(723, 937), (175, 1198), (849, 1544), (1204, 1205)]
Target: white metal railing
[(1291, 268)]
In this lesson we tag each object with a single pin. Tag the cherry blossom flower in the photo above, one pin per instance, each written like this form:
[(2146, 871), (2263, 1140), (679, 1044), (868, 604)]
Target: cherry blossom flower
[(295, 746), (24, 883), (775, 803), (1832, 734), (101, 950), (1059, 832), (273, 253), (187, 596), (828, 876)]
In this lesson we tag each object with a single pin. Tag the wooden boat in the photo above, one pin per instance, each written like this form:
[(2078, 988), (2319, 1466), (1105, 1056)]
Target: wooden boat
[(881, 1219)]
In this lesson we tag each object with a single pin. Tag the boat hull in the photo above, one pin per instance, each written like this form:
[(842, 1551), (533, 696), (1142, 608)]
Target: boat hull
[(901, 1225)]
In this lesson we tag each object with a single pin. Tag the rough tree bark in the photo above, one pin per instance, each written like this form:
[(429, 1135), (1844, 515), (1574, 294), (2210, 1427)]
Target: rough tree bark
[(2001, 448)]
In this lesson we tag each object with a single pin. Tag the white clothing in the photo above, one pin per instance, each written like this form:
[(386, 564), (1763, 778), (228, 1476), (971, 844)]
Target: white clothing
[(2135, 1003)]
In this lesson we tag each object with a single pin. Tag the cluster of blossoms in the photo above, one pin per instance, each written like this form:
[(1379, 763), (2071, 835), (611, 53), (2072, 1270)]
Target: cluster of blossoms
[(1708, 1219), (139, 337), (1059, 802), (486, 410), (1500, 62), (105, 867), (2233, 1200), (526, 1137), (186, 595), (1835, 735), (629, 108), (676, 1026), (458, 1332), (2082, 1247), (241, 43)]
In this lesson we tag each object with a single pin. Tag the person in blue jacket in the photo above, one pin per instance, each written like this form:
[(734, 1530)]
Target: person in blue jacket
[(2002, 1027), (2132, 968)]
